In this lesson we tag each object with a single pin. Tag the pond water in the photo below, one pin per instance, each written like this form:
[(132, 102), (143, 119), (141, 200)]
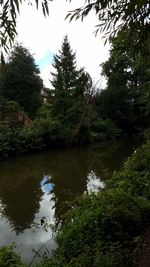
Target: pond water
[(35, 190)]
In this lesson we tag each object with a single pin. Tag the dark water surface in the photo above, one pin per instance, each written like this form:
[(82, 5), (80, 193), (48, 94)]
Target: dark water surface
[(35, 190)]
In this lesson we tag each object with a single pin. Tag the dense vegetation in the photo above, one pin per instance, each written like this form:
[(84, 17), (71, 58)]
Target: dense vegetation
[(20, 80), (76, 112), (69, 117), (112, 15), (115, 15), (8, 258), (104, 228), (126, 98)]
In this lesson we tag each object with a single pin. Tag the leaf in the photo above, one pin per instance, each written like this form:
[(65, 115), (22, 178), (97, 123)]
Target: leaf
[(46, 7), (37, 3), (43, 9)]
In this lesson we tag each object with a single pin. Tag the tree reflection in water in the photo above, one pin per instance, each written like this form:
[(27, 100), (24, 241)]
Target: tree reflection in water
[(44, 185), (20, 198)]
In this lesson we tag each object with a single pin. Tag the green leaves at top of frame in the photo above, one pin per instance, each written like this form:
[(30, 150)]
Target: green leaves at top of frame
[(114, 15)]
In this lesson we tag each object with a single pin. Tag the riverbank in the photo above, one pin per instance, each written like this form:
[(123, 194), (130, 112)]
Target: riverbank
[(104, 229), (47, 182), (45, 134)]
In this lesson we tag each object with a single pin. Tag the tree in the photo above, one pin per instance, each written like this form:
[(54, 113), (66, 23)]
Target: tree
[(115, 14), (112, 14), (128, 81), (22, 81), (64, 80), (69, 83), (71, 89)]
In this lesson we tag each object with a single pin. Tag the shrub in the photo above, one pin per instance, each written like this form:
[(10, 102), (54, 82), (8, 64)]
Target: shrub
[(44, 112), (31, 139), (8, 258), (102, 129), (12, 106), (53, 132), (9, 143), (18, 140), (101, 229)]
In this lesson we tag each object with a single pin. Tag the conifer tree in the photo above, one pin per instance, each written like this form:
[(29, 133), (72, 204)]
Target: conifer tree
[(64, 79), (22, 81), (70, 85)]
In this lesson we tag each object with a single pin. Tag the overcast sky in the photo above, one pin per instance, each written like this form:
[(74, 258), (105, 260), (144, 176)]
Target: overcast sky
[(43, 37)]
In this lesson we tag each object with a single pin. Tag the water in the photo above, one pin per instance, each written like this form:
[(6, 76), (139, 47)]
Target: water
[(35, 190)]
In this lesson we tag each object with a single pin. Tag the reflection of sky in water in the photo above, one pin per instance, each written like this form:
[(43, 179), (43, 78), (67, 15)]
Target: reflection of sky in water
[(94, 184), (36, 236), (26, 200), (46, 184)]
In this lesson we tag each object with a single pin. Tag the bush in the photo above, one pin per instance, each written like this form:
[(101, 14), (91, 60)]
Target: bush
[(101, 229), (17, 140), (12, 106), (45, 132), (8, 141), (8, 258), (54, 133), (104, 129), (9, 106), (44, 112), (31, 139)]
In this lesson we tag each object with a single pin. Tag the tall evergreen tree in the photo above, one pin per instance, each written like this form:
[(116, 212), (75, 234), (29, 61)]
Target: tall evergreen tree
[(64, 78), (22, 81), (69, 83)]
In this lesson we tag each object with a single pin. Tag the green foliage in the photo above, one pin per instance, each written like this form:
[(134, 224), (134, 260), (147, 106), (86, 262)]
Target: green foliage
[(126, 98), (53, 132), (135, 176), (69, 85), (71, 106), (41, 134), (8, 258), (22, 82), (129, 15), (44, 111), (16, 140), (104, 129), (64, 80), (11, 106), (115, 15), (30, 139), (101, 229)]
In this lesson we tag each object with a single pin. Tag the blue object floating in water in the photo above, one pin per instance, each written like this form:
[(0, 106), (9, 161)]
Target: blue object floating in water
[(46, 185)]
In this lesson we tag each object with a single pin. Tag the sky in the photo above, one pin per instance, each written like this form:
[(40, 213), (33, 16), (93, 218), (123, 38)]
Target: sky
[(43, 37)]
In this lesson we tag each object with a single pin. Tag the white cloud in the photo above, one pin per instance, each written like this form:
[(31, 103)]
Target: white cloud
[(41, 35), (45, 74)]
